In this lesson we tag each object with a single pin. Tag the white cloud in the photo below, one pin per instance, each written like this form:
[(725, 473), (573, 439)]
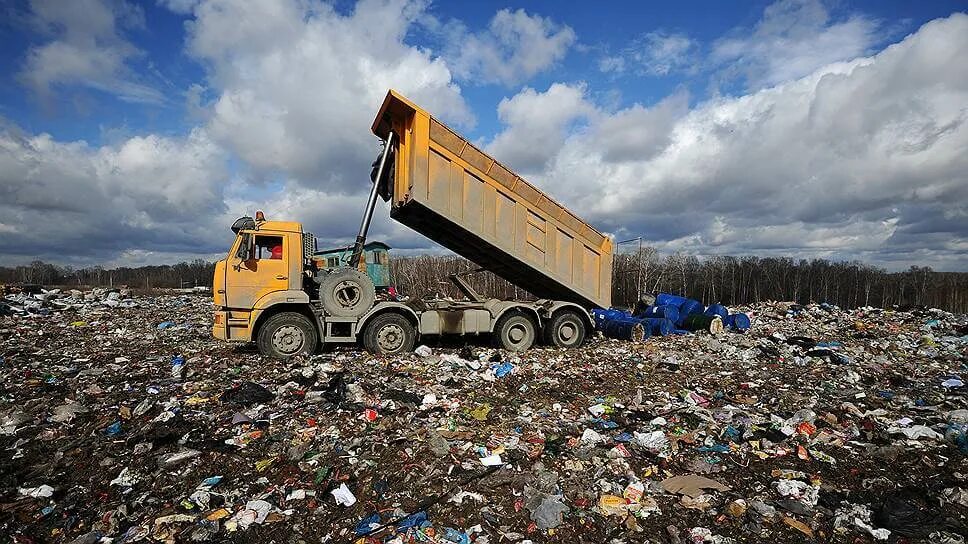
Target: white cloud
[(794, 38), (612, 63), (537, 124), (514, 47), (87, 49), (73, 201), (291, 91), (637, 133), (836, 156), (183, 7), (657, 53), (298, 84), (859, 158)]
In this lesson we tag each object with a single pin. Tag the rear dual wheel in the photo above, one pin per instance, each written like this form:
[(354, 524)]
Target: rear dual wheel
[(389, 334), (515, 331), (564, 330)]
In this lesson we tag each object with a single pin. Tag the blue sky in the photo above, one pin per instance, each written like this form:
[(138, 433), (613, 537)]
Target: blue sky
[(797, 127)]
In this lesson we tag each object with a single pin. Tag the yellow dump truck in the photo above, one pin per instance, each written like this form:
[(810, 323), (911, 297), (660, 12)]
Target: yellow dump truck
[(269, 289)]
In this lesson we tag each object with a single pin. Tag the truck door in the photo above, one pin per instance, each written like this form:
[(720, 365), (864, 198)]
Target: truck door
[(265, 271)]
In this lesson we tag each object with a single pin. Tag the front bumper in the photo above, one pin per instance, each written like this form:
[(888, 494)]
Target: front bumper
[(233, 325), (219, 329)]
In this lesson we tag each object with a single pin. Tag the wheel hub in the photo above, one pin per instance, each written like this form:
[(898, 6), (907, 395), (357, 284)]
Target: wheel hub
[(390, 337), (517, 333), (567, 332), (347, 294), (288, 339)]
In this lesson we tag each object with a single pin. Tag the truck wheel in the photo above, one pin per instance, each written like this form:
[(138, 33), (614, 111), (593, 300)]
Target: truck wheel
[(287, 334), (565, 330), (389, 334), (514, 332), (346, 292)]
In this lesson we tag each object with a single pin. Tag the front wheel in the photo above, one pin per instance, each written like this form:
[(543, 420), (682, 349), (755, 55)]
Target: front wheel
[(514, 332), (389, 334), (565, 330), (287, 334)]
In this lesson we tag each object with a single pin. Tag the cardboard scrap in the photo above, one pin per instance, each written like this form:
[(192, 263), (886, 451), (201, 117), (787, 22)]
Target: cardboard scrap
[(798, 525), (691, 485)]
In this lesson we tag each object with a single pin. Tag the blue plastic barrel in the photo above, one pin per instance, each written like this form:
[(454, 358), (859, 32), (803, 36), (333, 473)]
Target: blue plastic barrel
[(717, 309), (688, 308), (601, 316), (626, 328), (658, 326), (666, 311), (739, 322), (663, 299)]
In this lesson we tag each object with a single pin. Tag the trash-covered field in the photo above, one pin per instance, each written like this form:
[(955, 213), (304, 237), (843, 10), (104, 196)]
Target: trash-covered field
[(122, 420)]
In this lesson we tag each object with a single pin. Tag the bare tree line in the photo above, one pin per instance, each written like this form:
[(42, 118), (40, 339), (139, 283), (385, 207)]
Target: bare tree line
[(185, 274), (729, 280), (738, 280)]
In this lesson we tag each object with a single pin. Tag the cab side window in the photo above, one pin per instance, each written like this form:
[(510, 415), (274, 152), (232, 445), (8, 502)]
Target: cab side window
[(268, 247)]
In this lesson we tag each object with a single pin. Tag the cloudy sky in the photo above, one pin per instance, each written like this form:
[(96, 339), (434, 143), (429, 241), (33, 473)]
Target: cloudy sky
[(135, 132)]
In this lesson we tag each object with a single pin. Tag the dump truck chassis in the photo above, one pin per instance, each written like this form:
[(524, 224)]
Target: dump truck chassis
[(439, 318)]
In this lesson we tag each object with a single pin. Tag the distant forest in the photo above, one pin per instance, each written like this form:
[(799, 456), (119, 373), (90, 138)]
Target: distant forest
[(729, 280)]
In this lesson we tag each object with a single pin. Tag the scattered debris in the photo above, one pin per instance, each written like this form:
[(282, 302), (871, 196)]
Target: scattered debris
[(122, 420)]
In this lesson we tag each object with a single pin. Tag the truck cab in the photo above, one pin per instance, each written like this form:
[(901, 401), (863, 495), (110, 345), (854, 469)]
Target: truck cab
[(264, 268)]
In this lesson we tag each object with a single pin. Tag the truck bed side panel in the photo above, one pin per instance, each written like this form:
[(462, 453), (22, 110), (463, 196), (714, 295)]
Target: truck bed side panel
[(458, 196)]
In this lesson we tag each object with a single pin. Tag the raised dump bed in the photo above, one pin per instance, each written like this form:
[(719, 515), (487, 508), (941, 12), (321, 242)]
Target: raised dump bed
[(455, 194)]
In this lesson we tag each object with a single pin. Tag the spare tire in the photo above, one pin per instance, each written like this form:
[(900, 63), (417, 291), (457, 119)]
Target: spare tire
[(345, 292)]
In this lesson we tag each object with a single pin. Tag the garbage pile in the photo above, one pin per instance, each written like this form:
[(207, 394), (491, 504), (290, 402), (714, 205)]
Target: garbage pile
[(130, 424), (42, 302)]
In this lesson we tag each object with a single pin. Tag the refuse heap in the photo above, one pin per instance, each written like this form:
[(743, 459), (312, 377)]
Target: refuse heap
[(133, 424), (42, 302)]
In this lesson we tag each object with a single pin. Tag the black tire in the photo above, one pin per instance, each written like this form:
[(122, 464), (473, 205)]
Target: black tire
[(515, 331), (565, 330), (346, 292), (287, 334), (389, 334)]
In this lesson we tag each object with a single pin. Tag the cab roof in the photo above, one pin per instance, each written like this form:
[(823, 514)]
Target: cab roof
[(284, 226)]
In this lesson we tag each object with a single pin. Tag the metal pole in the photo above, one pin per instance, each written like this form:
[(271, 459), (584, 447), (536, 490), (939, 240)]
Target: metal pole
[(370, 205), (638, 280)]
